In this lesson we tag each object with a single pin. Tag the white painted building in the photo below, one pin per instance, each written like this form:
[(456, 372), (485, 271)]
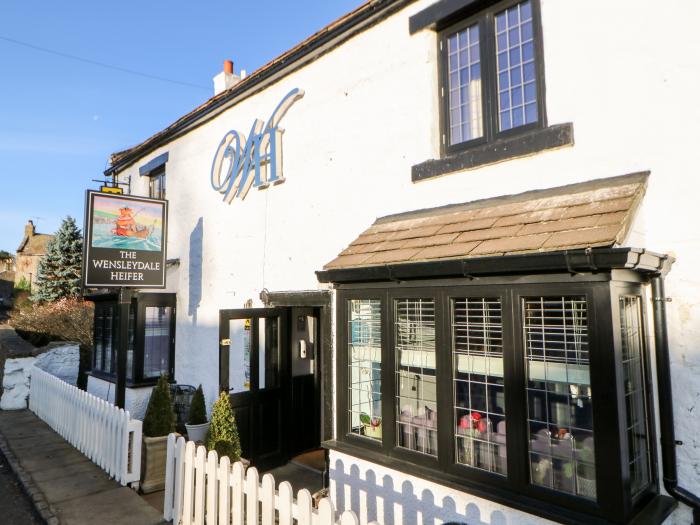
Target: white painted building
[(373, 136)]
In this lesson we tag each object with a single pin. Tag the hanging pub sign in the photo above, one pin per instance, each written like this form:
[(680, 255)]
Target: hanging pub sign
[(125, 239), (241, 162)]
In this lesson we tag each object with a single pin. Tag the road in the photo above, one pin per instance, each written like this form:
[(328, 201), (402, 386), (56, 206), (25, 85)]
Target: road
[(15, 506)]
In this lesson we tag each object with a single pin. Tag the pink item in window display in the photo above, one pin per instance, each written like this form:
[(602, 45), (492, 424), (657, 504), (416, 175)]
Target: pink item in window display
[(374, 422), (464, 422), (481, 426)]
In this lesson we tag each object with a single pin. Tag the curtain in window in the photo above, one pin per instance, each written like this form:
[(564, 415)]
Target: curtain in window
[(156, 347)]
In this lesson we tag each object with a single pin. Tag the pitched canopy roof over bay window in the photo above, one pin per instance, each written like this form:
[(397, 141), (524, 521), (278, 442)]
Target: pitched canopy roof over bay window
[(586, 215)]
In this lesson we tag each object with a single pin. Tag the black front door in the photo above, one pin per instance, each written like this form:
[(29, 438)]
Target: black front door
[(254, 369)]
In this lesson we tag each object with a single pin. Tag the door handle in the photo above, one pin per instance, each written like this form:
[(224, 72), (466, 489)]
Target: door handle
[(225, 342)]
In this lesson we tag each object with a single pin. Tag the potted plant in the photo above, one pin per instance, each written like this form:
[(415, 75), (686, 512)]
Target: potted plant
[(223, 431), (158, 423), (372, 426), (197, 425)]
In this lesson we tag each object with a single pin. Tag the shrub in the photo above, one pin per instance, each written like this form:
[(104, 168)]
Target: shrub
[(160, 418), (223, 432), (198, 410), (62, 320)]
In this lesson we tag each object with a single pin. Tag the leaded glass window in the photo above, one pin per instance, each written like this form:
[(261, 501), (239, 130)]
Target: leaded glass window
[(156, 348), (416, 395), (517, 82), (464, 65), (364, 368), (479, 392), (635, 393), (560, 421)]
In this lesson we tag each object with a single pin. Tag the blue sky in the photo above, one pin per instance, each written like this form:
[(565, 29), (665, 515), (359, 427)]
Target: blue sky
[(61, 118)]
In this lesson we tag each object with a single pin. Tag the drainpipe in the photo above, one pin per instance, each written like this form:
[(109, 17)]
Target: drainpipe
[(663, 374)]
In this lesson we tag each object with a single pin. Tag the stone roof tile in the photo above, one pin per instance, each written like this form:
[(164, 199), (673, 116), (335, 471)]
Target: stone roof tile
[(594, 213)]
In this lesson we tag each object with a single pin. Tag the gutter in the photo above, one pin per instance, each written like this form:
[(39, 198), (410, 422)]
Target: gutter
[(663, 378)]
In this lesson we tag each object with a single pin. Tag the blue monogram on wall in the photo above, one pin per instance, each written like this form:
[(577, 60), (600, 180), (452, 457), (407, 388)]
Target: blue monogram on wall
[(241, 162)]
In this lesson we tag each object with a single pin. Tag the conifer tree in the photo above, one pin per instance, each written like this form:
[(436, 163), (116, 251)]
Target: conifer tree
[(198, 409), (59, 269), (223, 432)]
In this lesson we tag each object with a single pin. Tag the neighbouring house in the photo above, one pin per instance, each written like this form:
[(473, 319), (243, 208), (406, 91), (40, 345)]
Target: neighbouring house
[(7, 278), (29, 253), (452, 279)]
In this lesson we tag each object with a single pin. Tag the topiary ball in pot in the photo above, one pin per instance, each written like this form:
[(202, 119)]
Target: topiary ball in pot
[(197, 424), (223, 431)]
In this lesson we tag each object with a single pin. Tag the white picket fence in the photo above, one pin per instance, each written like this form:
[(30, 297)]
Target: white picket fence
[(201, 488), (104, 433)]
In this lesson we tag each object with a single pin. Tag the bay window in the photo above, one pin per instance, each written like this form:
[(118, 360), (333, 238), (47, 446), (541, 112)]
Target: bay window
[(505, 388), (151, 337)]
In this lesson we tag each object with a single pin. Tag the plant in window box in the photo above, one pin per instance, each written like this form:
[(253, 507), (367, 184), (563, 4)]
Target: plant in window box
[(157, 424), (197, 425), (371, 426)]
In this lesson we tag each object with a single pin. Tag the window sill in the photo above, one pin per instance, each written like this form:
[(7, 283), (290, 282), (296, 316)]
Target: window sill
[(110, 378), (528, 143), (654, 513)]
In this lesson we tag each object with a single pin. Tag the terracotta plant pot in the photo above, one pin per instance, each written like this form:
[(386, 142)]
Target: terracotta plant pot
[(197, 432), (153, 458)]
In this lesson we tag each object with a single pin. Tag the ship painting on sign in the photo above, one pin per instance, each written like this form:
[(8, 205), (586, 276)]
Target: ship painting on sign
[(119, 224)]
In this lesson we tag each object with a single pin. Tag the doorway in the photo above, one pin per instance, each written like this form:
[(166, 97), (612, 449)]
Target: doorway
[(268, 363)]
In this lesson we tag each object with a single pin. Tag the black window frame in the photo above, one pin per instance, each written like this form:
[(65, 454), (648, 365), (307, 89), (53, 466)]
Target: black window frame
[(614, 501), (139, 304), (155, 177), (485, 19)]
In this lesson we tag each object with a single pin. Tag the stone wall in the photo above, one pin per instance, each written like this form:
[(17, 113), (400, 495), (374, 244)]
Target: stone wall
[(61, 360)]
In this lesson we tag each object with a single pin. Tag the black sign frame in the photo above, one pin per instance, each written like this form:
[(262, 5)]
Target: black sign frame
[(139, 268)]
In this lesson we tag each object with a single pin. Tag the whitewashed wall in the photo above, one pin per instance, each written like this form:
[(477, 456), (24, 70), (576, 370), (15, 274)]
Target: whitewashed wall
[(625, 73), (135, 399), (378, 493)]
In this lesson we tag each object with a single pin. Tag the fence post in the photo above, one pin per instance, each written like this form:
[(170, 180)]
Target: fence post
[(212, 489), (326, 513), (188, 492), (200, 465), (251, 491), (267, 496), (224, 491), (304, 507), (285, 503), (237, 494), (179, 486)]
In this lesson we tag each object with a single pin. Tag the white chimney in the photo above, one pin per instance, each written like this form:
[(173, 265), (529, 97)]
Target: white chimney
[(226, 78)]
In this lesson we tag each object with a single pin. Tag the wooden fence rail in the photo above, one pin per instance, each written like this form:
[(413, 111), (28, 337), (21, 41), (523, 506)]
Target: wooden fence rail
[(201, 488), (104, 433)]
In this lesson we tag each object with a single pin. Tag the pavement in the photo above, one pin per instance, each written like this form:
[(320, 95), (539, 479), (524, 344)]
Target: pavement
[(16, 507), (66, 487)]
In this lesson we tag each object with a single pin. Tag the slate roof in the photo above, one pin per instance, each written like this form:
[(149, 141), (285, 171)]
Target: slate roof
[(323, 40), (597, 213)]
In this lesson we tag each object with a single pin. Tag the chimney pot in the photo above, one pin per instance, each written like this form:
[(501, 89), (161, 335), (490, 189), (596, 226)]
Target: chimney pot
[(228, 67)]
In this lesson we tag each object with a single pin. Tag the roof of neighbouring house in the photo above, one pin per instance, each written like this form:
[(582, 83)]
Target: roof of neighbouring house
[(597, 213), (34, 244)]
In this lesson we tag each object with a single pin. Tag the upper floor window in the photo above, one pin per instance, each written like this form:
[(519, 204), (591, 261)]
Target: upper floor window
[(492, 75), (156, 184)]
